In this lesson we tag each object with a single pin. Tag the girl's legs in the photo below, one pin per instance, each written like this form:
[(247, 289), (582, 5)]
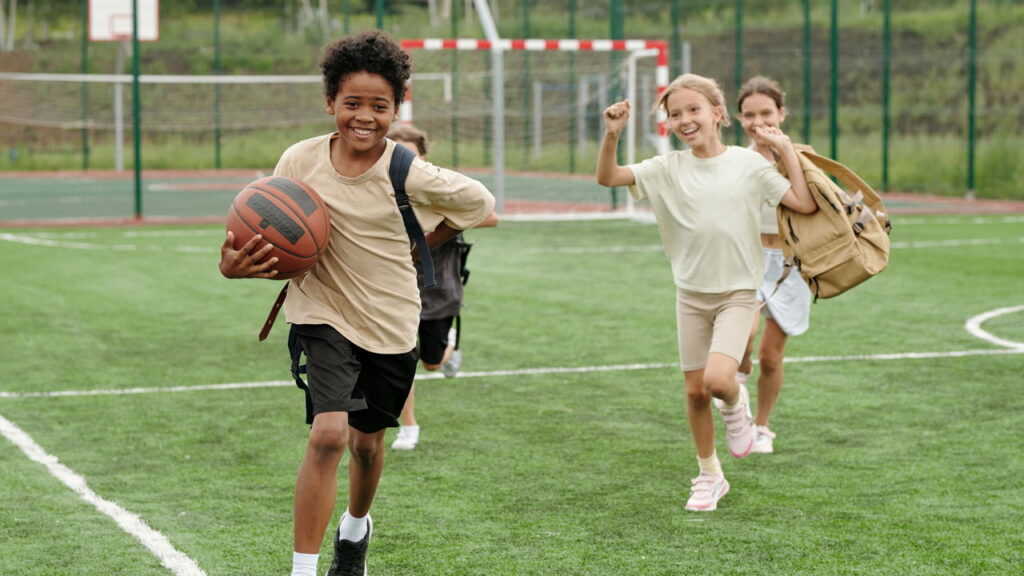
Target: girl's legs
[(317, 484), (698, 412), (769, 383), (717, 379), (747, 364)]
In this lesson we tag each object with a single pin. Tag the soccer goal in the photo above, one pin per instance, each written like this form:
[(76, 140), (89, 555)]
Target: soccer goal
[(554, 93)]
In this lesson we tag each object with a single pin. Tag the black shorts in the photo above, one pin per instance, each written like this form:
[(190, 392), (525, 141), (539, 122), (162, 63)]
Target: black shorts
[(342, 377), (434, 339)]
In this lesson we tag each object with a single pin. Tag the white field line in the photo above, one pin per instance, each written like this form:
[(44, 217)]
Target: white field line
[(157, 543), (182, 565), (973, 326), (1018, 348)]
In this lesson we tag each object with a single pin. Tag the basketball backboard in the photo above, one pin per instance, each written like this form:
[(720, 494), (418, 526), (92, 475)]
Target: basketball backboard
[(111, 20)]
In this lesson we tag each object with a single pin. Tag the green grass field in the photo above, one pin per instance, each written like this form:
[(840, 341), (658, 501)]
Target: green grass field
[(562, 447)]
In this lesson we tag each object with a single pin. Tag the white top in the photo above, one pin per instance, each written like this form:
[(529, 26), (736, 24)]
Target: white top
[(769, 220), (364, 285), (709, 214)]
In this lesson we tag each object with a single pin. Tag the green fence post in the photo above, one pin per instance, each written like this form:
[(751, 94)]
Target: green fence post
[(972, 77), (379, 10), (136, 110), (676, 49), (527, 90), (737, 132), (886, 90), (455, 86), (807, 71), (834, 83), (85, 85), (616, 17), (216, 87), (571, 143)]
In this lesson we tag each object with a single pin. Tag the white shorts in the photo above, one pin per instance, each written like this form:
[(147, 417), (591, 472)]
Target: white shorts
[(790, 305)]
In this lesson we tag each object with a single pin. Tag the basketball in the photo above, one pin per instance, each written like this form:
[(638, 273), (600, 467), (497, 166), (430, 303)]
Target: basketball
[(290, 215)]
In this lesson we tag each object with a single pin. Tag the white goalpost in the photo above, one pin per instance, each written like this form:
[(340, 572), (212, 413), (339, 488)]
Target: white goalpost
[(546, 107)]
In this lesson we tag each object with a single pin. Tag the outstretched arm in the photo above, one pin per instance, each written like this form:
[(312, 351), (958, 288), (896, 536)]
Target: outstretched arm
[(609, 173), (799, 195)]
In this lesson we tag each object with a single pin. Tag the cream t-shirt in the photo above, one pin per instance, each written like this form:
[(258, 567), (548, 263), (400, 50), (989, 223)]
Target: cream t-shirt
[(709, 214), (364, 285)]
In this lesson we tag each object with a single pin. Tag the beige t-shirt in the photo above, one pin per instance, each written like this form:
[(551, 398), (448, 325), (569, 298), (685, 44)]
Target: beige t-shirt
[(709, 214), (364, 285)]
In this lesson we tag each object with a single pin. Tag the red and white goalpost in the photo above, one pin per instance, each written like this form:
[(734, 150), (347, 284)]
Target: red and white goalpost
[(623, 73)]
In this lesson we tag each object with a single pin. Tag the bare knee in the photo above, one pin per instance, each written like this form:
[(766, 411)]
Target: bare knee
[(328, 440), (365, 449), (697, 398), (770, 361)]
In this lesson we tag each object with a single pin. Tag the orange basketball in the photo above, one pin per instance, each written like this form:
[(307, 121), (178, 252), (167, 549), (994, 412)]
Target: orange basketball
[(290, 215)]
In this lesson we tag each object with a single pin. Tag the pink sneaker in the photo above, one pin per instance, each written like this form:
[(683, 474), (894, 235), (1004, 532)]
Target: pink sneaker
[(739, 426), (705, 492)]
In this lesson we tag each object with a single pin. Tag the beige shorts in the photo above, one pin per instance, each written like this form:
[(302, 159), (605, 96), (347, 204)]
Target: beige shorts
[(709, 323)]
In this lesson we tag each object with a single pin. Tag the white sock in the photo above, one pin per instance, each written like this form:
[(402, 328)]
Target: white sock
[(411, 431), (711, 464), (351, 528), (742, 377), (304, 564)]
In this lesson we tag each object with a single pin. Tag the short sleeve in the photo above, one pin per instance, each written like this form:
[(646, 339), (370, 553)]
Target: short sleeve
[(773, 184), (648, 176), (439, 194)]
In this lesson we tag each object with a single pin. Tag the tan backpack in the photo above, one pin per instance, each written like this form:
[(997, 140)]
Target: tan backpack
[(846, 241)]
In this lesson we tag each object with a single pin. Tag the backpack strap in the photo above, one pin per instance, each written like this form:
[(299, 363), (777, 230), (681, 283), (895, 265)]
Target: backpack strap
[(401, 160), (398, 171), (852, 181)]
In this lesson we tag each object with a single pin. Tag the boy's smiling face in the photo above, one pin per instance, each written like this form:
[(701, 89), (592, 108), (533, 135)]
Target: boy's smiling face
[(363, 111)]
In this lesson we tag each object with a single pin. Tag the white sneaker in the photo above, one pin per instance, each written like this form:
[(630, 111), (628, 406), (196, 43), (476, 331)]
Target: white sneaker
[(763, 441), (451, 367), (408, 437), (705, 492)]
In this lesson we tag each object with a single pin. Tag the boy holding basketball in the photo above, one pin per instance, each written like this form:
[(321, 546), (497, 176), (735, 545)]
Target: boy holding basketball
[(355, 315)]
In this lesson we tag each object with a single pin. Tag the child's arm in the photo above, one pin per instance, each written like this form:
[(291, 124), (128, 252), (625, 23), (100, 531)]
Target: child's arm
[(799, 195), (489, 222), (244, 263), (443, 233), (609, 173)]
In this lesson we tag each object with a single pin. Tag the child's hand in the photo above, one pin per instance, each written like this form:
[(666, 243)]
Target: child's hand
[(244, 263), (771, 137), (616, 116)]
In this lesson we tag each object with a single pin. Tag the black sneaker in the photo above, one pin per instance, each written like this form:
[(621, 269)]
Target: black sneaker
[(350, 557)]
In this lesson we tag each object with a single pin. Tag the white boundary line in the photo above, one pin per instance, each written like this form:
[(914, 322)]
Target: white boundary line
[(1013, 348), (182, 565), (156, 542), (50, 242)]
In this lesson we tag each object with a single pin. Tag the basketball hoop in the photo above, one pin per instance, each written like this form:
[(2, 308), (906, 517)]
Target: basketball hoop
[(111, 20)]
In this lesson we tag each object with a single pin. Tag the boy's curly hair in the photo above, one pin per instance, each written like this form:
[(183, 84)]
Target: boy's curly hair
[(374, 52)]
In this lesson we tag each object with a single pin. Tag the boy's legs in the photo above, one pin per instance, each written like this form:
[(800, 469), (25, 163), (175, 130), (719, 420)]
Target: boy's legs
[(365, 466), (317, 484)]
